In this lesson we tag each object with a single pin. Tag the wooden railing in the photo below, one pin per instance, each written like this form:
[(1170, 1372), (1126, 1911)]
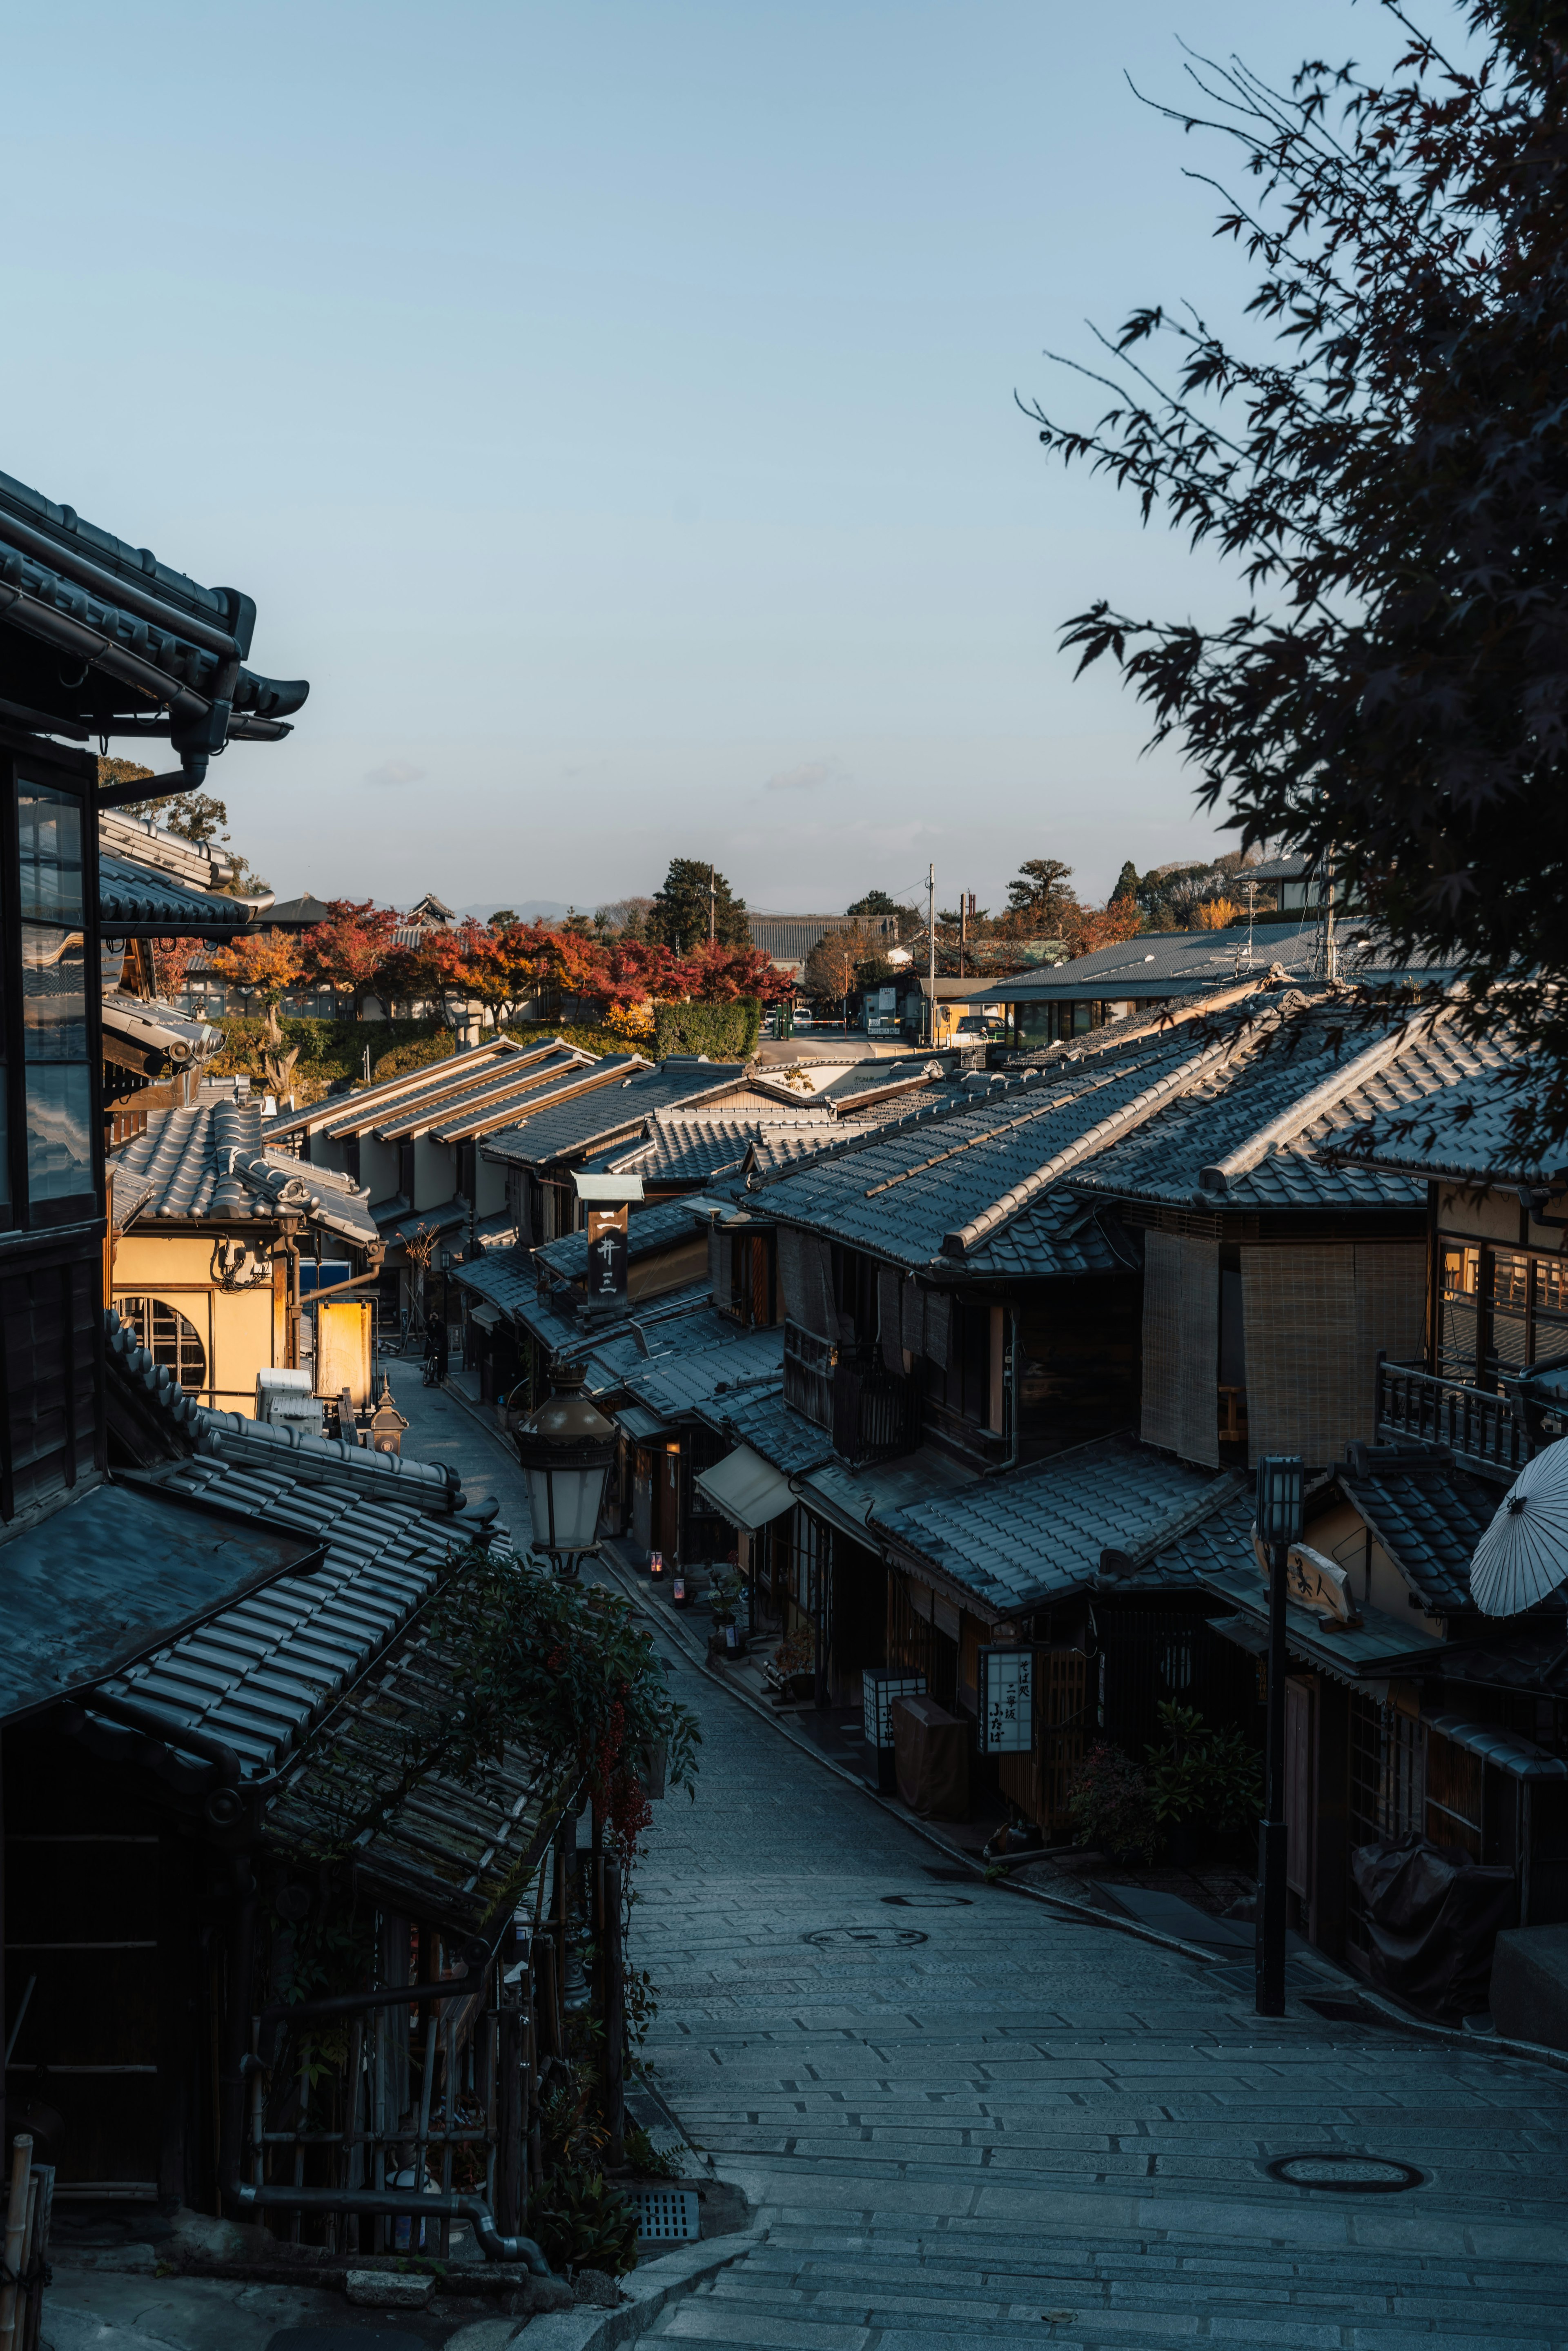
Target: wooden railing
[(1479, 1427), (869, 1413)]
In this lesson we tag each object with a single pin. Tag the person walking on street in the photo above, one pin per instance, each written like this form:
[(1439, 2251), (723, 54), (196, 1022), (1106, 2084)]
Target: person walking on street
[(435, 1355)]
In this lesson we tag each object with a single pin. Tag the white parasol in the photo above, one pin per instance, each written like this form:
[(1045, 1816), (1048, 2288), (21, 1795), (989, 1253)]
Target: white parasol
[(1523, 1555)]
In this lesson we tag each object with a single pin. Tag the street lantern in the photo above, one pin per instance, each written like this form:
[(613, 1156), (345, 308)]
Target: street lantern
[(1280, 1500), (565, 1448)]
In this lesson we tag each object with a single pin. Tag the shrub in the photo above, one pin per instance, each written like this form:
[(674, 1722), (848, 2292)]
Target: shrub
[(1109, 1804), (724, 1033), (1203, 1774)]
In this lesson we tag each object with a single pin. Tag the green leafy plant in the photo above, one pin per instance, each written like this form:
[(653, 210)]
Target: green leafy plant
[(581, 2223), (1204, 1774), (725, 1590), (645, 2158), (1109, 1804)]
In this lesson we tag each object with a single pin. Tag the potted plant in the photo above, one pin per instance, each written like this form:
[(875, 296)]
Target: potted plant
[(725, 1591)]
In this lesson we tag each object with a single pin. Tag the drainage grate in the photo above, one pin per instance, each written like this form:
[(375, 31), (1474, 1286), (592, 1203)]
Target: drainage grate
[(880, 1938), (1377, 2174), (665, 2216)]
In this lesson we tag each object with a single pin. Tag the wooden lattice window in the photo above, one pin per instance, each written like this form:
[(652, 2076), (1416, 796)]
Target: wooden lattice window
[(170, 1338)]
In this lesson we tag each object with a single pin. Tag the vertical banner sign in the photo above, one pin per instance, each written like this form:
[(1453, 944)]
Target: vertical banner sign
[(607, 1252), (1007, 1701), (879, 1684)]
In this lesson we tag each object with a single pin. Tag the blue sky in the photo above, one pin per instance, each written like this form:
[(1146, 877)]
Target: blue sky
[(610, 407)]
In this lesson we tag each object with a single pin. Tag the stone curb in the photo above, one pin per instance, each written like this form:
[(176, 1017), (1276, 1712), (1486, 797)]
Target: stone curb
[(1061, 1903), (650, 2289), (1536, 2050)]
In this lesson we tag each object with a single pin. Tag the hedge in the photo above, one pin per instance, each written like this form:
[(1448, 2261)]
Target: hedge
[(724, 1033)]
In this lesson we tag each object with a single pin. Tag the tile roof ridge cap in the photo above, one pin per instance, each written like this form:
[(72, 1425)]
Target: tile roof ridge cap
[(861, 1138), (1096, 1138), (1178, 1520), (1344, 1081)]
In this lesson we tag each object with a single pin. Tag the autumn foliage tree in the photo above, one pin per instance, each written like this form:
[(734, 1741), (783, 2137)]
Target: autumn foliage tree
[(351, 950), (267, 964)]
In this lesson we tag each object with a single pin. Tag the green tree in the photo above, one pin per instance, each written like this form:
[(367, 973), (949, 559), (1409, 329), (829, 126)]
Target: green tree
[(1040, 891), (1126, 883), (679, 917), (905, 921), (503, 919), (1388, 475)]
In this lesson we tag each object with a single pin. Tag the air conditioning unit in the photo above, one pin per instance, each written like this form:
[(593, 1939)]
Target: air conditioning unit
[(285, 1399)]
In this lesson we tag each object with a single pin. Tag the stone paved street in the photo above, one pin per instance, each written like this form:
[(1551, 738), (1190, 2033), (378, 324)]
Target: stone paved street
[(961, 2113)]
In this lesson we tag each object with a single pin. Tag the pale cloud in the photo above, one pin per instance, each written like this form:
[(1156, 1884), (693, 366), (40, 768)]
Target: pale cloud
[(803, 779), (395, 772)]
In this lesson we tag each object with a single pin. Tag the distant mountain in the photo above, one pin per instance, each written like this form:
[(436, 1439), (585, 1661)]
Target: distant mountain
[(527, 910)]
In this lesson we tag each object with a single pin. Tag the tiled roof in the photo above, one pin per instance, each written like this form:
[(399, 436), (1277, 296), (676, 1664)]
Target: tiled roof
[(1030, 1536), (502, 1277), (648, 1231), (1059, 1234), (209, 1162), (599, 1113), (1238, 1100), (685, 1322), (899, 1190), (676, 1383), (453, 1107), (398, 1223), (1460, 1133), (760, 1417), (147, 1027), (364, 1107), (136, 899), (1169, 962), (1428, 1516), (689, 1146)]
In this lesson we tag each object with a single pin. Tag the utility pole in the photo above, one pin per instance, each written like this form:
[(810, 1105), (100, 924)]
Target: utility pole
[(966, 900), (711, 908), (1330, 954), (930, 941)]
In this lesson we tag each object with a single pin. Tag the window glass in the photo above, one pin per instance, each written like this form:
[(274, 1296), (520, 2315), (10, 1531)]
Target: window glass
[(49, 826), (54, 995), (59, 1130)]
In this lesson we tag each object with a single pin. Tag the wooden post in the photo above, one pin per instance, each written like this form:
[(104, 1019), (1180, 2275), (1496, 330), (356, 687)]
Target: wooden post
[(15, 2235), (509, 2134), (41, 2220), (614, 2013)]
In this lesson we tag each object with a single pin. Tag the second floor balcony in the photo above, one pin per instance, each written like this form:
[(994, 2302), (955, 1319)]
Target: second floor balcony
[(869, 1413), (1483, 1428)]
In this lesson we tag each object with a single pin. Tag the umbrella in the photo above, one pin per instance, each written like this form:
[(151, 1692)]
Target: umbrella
[(1523, 1555)]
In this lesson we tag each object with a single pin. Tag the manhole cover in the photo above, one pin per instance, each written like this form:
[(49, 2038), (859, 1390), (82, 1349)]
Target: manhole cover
[(1379, 2174), (885, 1938), (928, 1901)]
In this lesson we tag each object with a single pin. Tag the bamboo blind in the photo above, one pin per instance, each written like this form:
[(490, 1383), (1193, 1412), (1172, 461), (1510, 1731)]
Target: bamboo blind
[(1390, 1314), (1299, 1321), (1181, 1345)]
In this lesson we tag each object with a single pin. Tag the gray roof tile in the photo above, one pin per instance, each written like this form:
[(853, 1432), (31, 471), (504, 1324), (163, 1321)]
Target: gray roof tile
[(133, 897), (673, 1384), (1163, 1160), (648, 1231), (600, 1112), (760, 1417), (1028, 1537), (209, 1162), (1428, 1516), (1461, 1133)]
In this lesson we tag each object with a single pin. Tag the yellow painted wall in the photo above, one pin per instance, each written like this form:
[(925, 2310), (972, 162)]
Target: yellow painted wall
[(236, 1328)]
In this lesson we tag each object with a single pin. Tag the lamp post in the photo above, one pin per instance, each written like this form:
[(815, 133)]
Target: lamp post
[(565, 1448), (1280, 1483)]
